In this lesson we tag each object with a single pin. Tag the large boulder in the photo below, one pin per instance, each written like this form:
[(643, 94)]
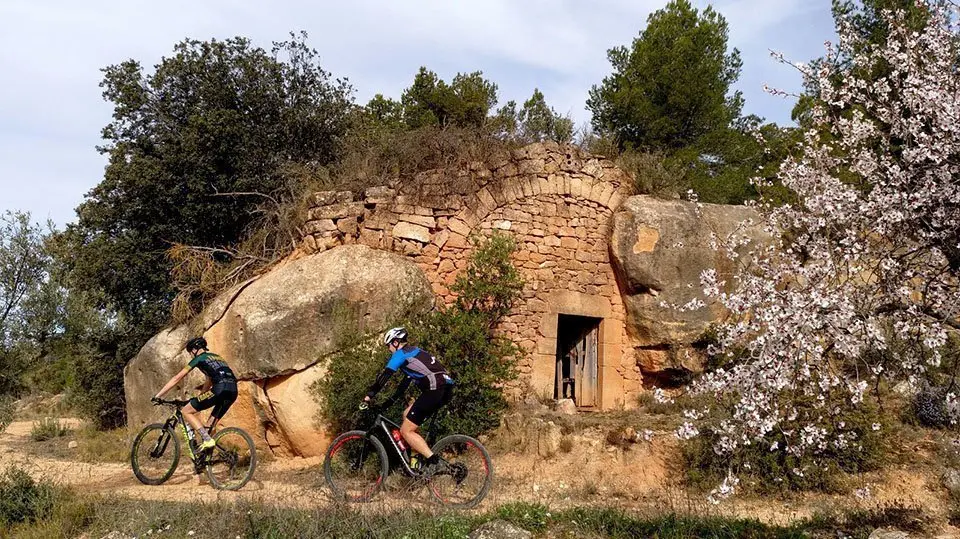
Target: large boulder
[(274, 330), (659, 248), (283, 322)]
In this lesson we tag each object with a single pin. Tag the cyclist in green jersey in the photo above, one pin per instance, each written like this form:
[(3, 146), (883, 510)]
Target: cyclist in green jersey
[(219, 391)]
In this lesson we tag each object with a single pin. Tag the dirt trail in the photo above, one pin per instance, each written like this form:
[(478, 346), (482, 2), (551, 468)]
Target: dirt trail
[(590, 474), (117, 478)]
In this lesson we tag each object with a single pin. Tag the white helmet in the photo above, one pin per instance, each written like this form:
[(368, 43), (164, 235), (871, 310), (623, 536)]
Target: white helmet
[(394, 334)]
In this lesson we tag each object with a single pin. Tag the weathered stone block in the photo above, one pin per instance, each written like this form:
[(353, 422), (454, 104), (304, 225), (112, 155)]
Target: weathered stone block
[(458, 226), (526, 188), (348, 225), (557, 184), (431, 251), (576, 187), (309, 244), (543, 185), (325, 198), (457, 241), (440, 239), (319, 226), (446, 266), (470, 217), (380, 194), (530, 166), (337, 211), (422, 220), (370, 237), (411, 231), (506, 171)]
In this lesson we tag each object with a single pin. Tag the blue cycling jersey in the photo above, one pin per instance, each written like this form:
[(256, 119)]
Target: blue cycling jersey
[(419, 365)]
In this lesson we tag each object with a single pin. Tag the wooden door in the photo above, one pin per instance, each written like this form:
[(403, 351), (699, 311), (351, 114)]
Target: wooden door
[(586, 369)]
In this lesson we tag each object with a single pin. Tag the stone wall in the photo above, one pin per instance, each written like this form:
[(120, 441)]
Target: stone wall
[(558, 204)]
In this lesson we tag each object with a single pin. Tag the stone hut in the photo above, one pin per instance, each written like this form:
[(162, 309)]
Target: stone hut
[(558, 204)]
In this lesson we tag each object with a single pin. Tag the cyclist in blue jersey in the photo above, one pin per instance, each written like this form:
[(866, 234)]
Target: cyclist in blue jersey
[(436, 390)]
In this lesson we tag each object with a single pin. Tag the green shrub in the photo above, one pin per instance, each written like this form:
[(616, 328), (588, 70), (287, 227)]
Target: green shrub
[(97, 377), (929, 407), (47, 429), (765, 470), (460, 336), (22, 499), (7, 409)]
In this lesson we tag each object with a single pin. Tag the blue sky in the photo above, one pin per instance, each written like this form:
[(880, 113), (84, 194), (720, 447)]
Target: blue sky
[(51, 53)]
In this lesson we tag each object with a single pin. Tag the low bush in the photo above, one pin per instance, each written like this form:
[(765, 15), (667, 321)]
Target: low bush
[(929, 407), (47, 429), (767, 466), (22, 499), (460, 336)]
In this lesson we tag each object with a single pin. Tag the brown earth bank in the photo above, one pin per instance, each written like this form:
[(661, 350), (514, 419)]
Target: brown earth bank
[(539, 458)]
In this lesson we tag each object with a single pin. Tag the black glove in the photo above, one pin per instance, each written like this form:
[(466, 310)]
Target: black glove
[(156, 401)]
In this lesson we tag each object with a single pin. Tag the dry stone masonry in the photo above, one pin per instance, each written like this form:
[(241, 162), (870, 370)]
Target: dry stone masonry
[(557, 203), (587, 250)]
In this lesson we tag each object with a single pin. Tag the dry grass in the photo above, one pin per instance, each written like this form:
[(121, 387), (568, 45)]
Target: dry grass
[(93, 446)]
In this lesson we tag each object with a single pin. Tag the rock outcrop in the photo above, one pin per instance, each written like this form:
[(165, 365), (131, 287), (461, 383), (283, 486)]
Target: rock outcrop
[(659, 248), (274, 331)]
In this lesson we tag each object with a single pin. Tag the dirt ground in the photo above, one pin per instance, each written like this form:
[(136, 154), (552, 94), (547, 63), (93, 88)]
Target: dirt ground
[(589, 471)]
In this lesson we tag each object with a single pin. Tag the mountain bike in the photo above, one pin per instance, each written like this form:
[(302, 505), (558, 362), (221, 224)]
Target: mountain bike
[(156, 452), (358, 462)]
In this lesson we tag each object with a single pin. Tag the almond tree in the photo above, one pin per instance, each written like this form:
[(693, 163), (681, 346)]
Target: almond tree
[(862, 285)]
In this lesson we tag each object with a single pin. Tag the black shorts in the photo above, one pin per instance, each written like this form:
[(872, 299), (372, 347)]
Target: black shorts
[(429, 402), (220, 398)]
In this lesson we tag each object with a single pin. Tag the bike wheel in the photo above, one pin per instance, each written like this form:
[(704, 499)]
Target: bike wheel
[(231, 463), (468, 475), (155, 454), (356, 466)]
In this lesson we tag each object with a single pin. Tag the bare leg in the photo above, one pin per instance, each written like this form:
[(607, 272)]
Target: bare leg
[(409, 431), (193, 417)]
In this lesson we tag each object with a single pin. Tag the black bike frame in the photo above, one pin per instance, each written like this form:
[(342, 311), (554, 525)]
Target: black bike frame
[(178, 419), (384, 426), (171, 424)]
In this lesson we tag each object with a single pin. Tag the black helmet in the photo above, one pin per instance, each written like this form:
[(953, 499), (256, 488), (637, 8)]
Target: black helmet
[(198, 343)]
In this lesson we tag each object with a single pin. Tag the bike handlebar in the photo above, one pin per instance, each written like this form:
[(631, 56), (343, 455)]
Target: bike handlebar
[(175, 402)]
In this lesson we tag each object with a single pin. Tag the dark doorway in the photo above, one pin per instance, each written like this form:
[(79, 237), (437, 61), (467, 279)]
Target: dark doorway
[(577, 351)]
